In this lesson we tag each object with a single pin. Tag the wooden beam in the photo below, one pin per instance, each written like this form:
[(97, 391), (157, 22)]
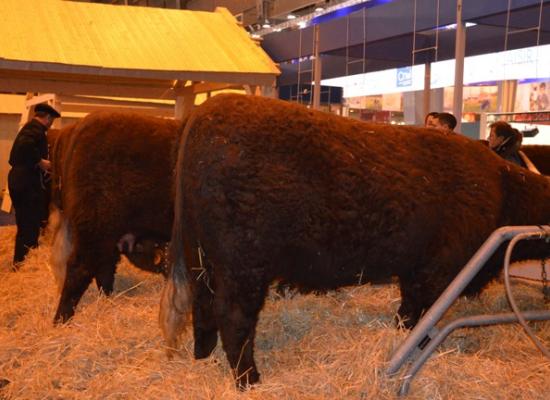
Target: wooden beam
[(96, 74), (69, 101), (42, 98), (204, 87), (84, 88), (164, 111)]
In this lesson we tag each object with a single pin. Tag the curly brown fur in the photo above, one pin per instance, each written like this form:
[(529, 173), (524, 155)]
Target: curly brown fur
[(539, 155), (269, 190), (115, 173), (61, 144)]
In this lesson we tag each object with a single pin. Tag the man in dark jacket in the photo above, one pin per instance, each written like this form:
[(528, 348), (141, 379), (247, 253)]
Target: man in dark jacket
[(26, 183), (444, 122)]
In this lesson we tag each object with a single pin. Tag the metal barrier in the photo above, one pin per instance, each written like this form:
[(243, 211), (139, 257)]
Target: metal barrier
[(426, 326)]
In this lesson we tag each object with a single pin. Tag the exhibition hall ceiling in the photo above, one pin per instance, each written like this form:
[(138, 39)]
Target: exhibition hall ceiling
[(380, 36)]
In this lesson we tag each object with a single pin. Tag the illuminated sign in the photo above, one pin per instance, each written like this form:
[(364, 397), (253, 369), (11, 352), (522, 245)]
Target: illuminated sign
[(527, 63), (404, 77)]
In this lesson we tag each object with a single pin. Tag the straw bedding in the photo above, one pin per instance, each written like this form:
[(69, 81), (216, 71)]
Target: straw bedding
[(333, 346)]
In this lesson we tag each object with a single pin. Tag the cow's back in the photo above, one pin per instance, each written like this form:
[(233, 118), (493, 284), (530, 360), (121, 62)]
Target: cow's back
[(540, 156), (268, 179), (117, 173)]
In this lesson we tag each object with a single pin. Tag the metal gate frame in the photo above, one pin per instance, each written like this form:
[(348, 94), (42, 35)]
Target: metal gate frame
[(426, 326)]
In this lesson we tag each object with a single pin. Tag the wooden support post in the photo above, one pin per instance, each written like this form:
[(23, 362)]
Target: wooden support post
[(56, 103), (185, 100), (269, 91), (253, 90)]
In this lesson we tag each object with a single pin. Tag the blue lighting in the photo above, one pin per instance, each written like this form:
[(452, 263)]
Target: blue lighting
[(532, 80), (342, 12)]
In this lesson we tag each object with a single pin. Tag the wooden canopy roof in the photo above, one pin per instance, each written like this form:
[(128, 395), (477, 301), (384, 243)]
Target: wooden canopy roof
[(96, 49)]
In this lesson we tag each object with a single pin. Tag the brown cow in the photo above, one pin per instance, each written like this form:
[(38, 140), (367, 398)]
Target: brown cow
[(539, 155), (112, 178), (270, 190)]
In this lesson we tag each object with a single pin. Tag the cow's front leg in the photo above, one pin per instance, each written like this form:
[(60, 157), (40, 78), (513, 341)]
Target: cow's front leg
[(412, 305), (421, 287)]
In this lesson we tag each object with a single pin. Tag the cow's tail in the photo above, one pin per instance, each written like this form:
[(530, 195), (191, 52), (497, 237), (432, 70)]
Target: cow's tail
[(175, 304), (61, 246)]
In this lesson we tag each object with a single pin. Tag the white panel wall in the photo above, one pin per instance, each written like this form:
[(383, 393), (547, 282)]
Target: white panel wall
[(9, 125)]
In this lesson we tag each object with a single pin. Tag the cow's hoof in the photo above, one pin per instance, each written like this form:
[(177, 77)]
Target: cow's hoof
[(62, 317), (403, 322), (246, 380), (205, 343), (407, 317)]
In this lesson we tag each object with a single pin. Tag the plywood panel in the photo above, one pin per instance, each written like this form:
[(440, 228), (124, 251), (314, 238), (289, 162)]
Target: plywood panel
[(9, 125), (65, 33)]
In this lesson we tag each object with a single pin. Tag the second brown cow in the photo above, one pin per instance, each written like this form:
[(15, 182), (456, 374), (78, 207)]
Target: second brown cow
[(112, 185)]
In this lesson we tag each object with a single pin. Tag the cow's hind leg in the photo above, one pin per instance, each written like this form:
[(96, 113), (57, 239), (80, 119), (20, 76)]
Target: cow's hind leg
[(77, 279), (237, 305), (105, 267), (95, 262), (62, 246), (205, 329)]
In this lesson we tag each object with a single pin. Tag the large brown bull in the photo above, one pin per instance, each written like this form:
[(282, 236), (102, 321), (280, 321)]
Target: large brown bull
[(538, 155), (112, 185), (269, 190)]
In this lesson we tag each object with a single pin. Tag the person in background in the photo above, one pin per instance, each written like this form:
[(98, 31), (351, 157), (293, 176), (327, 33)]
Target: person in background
[(445, 122), (429, 119), (506, 141), (26, 179)]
